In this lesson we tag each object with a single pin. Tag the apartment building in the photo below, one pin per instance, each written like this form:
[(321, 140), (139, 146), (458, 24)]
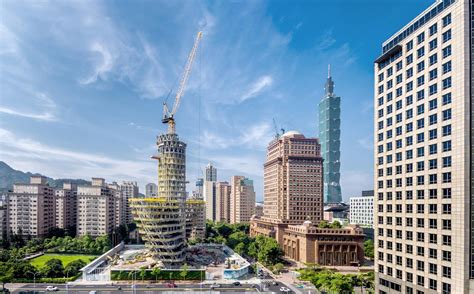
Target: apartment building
[(223, 191), (423, 154), (66, 206), (31, 208), (210, 197), (95, 205), (129, 190), (242, 200)]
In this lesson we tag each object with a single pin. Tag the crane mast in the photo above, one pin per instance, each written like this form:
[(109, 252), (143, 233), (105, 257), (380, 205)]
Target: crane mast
[(168, 116)]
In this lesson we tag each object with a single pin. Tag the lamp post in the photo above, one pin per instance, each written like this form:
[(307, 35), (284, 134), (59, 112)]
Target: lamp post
[(34, 280)]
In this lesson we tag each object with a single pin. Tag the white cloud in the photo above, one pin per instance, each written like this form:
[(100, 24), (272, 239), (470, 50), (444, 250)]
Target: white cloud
[(57, 162), (256, 136), (103, 66), (257, 87), (38, 116)]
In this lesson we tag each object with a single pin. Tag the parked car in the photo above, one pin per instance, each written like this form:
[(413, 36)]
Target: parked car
[(52, 288), (284, 289), (237, 283), (213, 286), (171, 285), (275, 283)]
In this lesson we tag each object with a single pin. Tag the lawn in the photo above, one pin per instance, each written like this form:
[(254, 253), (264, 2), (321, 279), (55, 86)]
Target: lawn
[(39, 261)]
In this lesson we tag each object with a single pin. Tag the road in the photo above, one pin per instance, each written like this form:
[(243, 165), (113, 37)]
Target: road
[(153, 288)]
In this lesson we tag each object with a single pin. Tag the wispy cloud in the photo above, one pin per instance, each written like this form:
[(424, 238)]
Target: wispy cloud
[(59, 162), (256, 136), (103, 65), (41, 116), (257, 87)]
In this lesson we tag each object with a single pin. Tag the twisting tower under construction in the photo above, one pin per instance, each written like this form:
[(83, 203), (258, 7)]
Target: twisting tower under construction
[(162, 219)]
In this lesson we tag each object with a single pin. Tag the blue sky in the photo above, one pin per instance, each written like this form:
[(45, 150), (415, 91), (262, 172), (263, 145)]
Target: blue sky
[(82, 82)]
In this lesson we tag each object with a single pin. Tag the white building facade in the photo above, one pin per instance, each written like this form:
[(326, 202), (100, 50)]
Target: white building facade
[(424, 242), (361, 211)]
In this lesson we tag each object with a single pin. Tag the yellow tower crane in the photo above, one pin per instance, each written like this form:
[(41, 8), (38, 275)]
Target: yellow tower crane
[(168, 116)]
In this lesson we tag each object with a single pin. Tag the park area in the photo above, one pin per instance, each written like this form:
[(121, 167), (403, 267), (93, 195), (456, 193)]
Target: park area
[(40, 261)]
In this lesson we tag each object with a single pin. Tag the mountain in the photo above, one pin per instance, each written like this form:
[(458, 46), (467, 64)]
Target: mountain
[(10, 176)]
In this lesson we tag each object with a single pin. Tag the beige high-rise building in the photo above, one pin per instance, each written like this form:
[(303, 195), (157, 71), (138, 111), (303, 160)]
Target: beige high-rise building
[(223, 202), (129, 190), (210, 196), (66, 206), (242, 200), (96, 212), (293, 180), (119, 204), (423, 154), (31, 208)]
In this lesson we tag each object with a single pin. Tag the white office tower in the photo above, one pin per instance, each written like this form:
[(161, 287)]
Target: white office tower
[(424, 226)]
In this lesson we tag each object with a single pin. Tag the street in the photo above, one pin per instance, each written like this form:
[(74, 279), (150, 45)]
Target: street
[(153, 288)]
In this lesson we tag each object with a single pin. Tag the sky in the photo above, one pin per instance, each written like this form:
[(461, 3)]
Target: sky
[(82, 82)]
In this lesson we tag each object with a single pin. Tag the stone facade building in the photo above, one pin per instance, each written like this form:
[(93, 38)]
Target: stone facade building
[(242, 200)]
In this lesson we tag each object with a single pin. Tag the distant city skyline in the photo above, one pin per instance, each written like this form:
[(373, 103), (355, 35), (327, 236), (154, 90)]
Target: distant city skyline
[(91, 105)]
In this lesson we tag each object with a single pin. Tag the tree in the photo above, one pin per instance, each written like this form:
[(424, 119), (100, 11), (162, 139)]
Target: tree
[(224, 229), (369, 248), (336, 225), (269, 252), (240, 248), (236, 238), (252, 250), (156, 272), (277, 268), (324, 224), (184, 271), (73, 267), (53, 268), (142, 273), (5, 277)]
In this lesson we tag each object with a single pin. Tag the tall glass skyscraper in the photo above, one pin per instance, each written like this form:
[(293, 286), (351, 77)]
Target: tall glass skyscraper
[(329, 136)]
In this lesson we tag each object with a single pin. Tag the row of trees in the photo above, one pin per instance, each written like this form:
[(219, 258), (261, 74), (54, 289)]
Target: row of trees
[(333, 282)]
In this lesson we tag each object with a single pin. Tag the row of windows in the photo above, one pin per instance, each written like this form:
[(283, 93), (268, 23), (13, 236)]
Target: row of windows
[(446, 146), (431, 208), (420, 123), (432, 60), (420, 138), (420, 180), (433, 224), (420, 166), (446, 240), (420, 280)]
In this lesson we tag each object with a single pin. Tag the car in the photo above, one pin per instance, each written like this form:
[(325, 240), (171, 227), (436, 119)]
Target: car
[(215, 286), (171, 285), (284, 289), (237, 283), (52, 288), (275, 283), (93, 292)]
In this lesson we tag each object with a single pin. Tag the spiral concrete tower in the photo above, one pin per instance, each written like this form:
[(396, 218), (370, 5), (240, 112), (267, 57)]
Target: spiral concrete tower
[(162, 219)]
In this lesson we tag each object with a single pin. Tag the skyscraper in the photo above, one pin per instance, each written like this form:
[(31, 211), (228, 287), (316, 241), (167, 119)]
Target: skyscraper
[(292, 180), (211, 173), (162, 219), (242, 200), (223, 201), (423, 124), (210, 196), (329, 137)]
